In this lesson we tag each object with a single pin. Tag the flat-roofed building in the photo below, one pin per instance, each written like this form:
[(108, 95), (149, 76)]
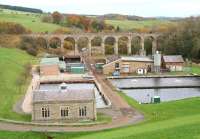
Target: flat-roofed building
[(127, 64), (51, 66), (64, 105), (49, 70), (49, 61)]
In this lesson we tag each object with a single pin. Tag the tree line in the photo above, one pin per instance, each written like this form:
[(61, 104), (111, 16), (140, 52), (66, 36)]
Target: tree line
[(82, 22), (183, 39), (19, 8)]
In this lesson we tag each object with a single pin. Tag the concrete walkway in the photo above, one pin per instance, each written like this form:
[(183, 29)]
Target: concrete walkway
[(27, 102), (119, 122)]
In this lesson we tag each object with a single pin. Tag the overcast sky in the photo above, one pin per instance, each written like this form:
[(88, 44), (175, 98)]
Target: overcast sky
[(148, 8)]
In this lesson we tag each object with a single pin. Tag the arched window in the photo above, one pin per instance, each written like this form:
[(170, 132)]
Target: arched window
[(82, 111), (45, 112), (64, 111)]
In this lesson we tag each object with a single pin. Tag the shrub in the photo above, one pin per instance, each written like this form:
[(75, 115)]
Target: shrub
[(29, 45), (47, 19), (32, 51), (22, 46), (63, 31), (9, 41), (12, 28)]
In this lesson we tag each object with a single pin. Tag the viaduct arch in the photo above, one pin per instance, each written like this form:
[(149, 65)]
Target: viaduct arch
[(103, 36)]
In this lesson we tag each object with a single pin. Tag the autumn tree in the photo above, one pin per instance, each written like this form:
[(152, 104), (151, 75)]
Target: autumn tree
[(57, 17), (98, 26), (88, 24), (73, 20)]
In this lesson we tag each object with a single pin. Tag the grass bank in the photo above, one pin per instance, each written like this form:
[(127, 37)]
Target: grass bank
[(196, 69), (170, 120), (29, 20), (12, 63)]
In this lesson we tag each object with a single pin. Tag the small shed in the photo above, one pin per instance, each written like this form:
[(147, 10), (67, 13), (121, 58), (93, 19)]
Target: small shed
[(99, 65), (78, 70), (173, 62), (156, 99)]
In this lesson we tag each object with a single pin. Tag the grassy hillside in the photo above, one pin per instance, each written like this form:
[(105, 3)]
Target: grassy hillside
[(30, 21), (128, 24), (12, 63)]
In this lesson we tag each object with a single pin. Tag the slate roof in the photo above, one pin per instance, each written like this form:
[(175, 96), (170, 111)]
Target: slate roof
[(137, 58), (63, 95), (130, 58), (112, 58), (173, 59)]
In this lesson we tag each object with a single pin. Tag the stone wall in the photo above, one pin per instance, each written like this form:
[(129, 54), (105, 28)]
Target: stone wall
[(174, 66), (110, 67), (133, 66), (55, 111)]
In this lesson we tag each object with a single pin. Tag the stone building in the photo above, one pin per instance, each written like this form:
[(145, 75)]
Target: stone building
[(127, 64), (63, 105), (173, 62)]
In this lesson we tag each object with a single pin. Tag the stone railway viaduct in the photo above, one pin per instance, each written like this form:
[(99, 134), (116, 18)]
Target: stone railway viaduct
[(103, 36)]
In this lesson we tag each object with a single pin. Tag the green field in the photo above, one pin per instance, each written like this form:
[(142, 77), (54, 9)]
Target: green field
[(28, 20), (33, 22), (128, 25), (196, 69), (12, 63)]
